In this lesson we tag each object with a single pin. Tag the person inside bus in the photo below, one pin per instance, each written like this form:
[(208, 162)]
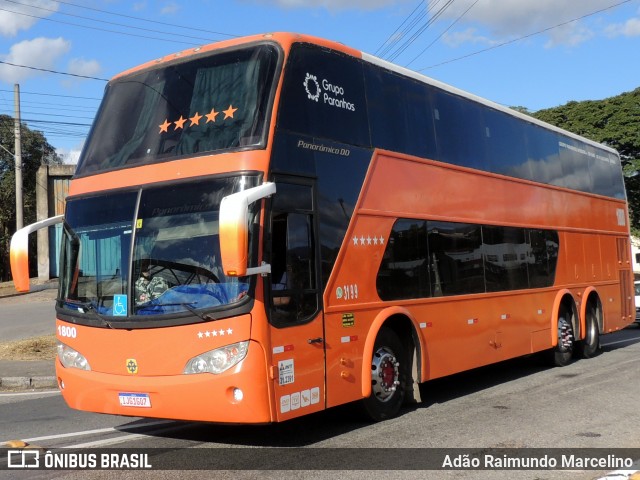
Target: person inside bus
[(148, 288)]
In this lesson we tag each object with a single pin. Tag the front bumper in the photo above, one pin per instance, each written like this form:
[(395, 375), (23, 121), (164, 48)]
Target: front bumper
[(201, 397)]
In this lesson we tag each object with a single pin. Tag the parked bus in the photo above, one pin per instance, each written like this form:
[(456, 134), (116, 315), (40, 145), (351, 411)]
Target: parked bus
[(270, 226)]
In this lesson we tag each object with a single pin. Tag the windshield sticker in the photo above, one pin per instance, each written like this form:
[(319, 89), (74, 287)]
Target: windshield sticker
[(119, 305), (195, 120)]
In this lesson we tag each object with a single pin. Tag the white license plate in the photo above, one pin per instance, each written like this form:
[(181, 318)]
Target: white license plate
[(139, 400)]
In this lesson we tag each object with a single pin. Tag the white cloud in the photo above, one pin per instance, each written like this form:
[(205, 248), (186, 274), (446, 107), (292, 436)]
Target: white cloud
[(40, 53), (80, 66), (514, 18), (13, 19), (470, 35), (630, 28), (170, 9), (70, 155)]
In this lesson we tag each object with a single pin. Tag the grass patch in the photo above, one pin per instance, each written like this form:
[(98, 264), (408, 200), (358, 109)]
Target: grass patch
[(36, 348)]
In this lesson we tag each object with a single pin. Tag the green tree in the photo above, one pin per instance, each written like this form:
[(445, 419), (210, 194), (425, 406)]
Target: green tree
[(615, 122), (35, 151)]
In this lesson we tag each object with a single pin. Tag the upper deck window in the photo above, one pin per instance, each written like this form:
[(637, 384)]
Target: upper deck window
[(211, 103)]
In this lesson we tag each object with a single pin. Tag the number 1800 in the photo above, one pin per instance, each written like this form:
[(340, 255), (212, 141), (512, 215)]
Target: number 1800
[(64, 331)]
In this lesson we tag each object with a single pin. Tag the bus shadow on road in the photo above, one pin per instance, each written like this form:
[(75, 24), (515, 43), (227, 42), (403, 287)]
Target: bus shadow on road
[(318, 427)]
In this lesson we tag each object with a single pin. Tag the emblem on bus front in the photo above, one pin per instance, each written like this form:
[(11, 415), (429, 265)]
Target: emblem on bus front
[(132, 366)]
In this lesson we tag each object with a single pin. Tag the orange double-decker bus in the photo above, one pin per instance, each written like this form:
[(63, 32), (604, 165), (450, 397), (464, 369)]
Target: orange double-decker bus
[(267, 227)]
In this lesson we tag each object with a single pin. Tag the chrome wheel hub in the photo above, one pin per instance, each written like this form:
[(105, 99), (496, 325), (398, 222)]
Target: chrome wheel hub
[(384, 374)]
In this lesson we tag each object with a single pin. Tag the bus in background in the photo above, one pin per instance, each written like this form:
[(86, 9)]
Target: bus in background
[(271, 226)]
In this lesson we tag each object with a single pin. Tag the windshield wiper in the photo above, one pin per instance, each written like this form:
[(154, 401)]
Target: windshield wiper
[(203, 316), (89, 307)]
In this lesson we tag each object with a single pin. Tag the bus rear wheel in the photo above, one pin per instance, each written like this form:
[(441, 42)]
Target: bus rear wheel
[(389, 366), (591, 343), (563, 352)]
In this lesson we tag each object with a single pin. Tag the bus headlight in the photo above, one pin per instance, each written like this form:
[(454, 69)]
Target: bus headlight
[(218, 360), (71, 358)]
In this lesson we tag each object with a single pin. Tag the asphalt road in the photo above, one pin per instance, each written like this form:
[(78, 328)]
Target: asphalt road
[(517, 404), (27, 316)]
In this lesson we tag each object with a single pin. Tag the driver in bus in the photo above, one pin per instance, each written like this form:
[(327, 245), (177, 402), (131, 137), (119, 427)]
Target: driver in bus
[(148, 288)]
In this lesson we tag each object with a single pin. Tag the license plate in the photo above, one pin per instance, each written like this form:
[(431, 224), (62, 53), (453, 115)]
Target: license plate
[(139, 400)]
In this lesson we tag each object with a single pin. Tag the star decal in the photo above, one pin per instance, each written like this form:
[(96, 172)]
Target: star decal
[(211, 116), (200, 335), (180, 122), (228, 113), (195, 120), (165, 126)]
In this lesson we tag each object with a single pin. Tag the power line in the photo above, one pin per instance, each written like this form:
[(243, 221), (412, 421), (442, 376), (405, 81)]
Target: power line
[(52, 95), (509, 42), (407, 43), (96, 28), (187, 27), (106, 21), (443, 33), (53, 71), (390, 39)]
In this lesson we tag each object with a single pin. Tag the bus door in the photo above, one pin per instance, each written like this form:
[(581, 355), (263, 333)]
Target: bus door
[(295, 313)]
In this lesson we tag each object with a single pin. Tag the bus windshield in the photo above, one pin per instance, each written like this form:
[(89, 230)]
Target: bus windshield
[(148, 252), (209, 103)]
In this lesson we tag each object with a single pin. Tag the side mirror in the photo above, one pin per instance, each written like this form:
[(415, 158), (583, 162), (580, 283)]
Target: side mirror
[(19, 251), (234, 233)]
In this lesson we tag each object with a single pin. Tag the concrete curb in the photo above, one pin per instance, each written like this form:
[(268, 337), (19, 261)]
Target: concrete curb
[(28, 383)]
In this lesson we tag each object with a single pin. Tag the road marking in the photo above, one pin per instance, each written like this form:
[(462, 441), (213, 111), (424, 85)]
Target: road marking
[(92, 432), (635, 340), (24, 394), (126, 438)]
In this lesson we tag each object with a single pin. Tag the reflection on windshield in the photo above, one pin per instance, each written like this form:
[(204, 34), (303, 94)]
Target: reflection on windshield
[(205, 104), (176, 265)]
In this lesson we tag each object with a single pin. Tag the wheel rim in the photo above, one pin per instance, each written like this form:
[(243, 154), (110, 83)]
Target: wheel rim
[(385, 374), (565, 335)]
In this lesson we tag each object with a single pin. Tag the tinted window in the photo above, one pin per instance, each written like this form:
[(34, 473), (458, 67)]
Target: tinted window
[(404, 268), (294, 291), (506, 253), (400, 113), (460, 132), (205, 104), (506, 145), (323, 96), (424, 259), (339, 169), (455, 258), (544, 248)]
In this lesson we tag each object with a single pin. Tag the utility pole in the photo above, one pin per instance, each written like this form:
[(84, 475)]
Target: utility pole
[(18, 157)]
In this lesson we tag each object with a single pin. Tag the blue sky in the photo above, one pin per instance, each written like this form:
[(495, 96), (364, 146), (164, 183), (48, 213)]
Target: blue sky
[(531, 53)]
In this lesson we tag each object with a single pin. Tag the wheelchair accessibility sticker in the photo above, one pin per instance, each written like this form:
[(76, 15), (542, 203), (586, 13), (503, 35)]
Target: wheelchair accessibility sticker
[(119, 305)]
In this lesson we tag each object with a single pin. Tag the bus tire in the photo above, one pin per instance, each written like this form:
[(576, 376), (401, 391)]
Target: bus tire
[(563, 352), (389, 373), (591, 344)]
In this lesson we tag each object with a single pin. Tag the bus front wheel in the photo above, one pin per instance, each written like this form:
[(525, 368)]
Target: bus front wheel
[(388, 376)]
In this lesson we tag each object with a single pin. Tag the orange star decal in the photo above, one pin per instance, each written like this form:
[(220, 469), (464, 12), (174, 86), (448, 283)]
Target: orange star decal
[(180, 122), (211, 116), (164, 127), (195, 120), (228, 113)]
